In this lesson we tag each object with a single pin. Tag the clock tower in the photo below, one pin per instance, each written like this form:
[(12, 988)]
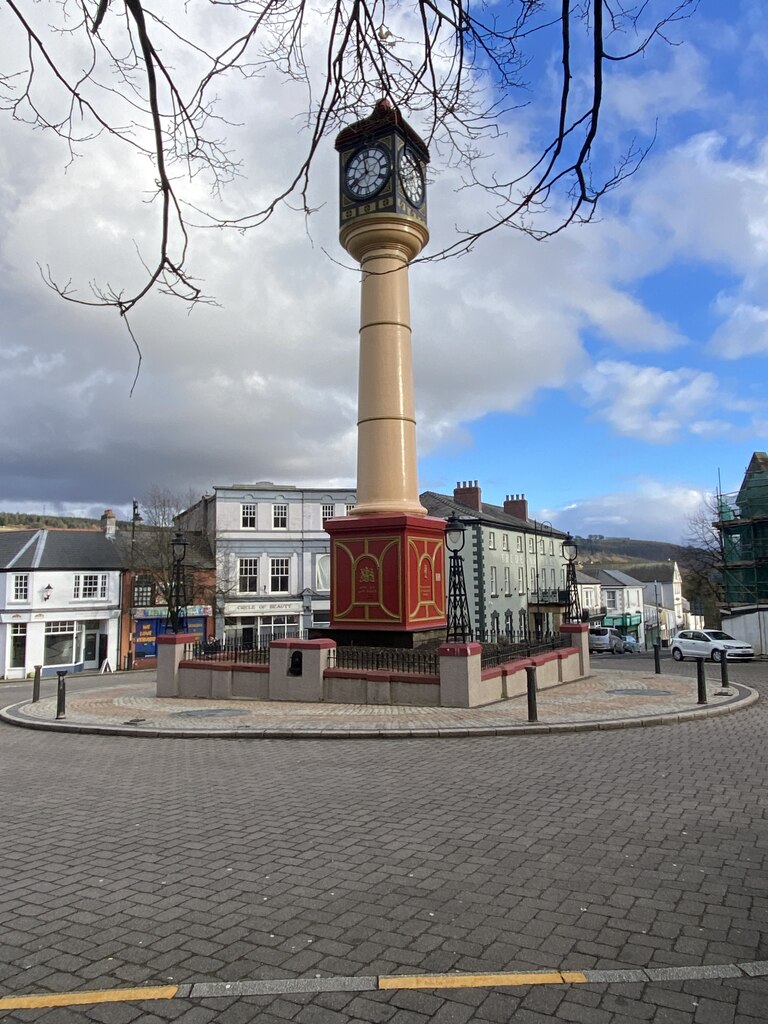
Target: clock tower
[(387, 558)]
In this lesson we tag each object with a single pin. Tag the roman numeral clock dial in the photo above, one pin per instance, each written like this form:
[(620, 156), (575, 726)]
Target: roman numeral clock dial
[(366, 172), (411, 176)]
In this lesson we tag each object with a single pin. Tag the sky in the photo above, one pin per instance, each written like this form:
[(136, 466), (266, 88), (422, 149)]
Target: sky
[(615, 374)]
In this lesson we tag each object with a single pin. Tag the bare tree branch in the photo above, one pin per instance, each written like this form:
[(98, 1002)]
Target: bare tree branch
[(457, 68)]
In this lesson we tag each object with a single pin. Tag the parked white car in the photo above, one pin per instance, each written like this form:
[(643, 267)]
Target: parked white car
[(710, 643)]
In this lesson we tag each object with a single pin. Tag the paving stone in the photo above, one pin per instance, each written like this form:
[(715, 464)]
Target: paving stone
[(338, 837)]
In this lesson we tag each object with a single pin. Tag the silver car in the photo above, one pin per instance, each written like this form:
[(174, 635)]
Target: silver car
[(710, 643), (604, 639)]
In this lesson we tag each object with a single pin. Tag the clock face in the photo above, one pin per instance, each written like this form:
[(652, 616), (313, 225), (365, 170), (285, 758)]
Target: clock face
[(411, 177), (366, 172)]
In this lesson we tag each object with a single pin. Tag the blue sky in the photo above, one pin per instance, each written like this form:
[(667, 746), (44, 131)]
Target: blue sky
[(612, 374)]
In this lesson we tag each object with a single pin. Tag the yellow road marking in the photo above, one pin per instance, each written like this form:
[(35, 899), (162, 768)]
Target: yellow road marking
[(481, 980), (115, 995)]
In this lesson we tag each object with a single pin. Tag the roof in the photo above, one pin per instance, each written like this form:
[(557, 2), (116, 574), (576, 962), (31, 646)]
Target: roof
[(616, 578), (586, 580), (25, 550), (28, 550), (383, 119), (149, 547), (444, 505)]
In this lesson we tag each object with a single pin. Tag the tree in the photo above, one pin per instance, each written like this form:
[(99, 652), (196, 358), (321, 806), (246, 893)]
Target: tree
[(148, 546), (146, 74), (702, 561)]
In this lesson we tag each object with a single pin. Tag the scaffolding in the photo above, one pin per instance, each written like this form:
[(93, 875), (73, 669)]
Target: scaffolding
[(743, 527)]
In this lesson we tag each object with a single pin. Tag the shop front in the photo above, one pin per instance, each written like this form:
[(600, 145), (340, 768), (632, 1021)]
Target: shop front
[(149, 623), (72, 644), (255, 623)]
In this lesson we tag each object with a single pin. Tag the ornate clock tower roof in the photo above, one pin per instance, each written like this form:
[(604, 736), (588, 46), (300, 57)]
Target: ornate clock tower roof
[(384, 118)]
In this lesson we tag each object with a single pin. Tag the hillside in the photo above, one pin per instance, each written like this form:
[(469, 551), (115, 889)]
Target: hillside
[(25, 521), (599, 550)]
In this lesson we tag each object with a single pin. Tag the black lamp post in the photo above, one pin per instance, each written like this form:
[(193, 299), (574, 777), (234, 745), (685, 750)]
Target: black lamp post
[(177, 600), (573, 608), (459, 630)]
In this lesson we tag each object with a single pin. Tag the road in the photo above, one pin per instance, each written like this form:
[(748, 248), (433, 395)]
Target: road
[(150, 862)]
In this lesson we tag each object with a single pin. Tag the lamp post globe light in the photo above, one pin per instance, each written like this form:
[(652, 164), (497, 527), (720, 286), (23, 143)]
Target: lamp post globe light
[(573, 607), (458, 627), (177, 602)]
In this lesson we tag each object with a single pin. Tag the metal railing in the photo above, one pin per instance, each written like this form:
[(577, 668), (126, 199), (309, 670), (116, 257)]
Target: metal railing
[(500, 653), (416, 661), (219, 650), (497, 649)]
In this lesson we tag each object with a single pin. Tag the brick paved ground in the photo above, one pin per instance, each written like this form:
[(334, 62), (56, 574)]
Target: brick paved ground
[(132, 862), (607, 696)]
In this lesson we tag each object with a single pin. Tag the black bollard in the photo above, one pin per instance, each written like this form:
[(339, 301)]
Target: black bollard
[(533, 713), (701, 681), (61, 694), (724, 684), (657, 657), (36, 683)]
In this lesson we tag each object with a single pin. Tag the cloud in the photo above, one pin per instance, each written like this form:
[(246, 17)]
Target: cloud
[(647, 510), (658, 405), (263, 385)]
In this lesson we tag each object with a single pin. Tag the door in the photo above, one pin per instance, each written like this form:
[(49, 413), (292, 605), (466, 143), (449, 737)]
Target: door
[(91, 649)]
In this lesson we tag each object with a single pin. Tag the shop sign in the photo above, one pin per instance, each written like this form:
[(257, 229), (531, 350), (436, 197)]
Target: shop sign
[(161, 611), (263, 608)]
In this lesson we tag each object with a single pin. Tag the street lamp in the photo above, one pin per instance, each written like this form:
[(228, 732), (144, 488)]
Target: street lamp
[(177, 601), (458, 628), (573, 607)]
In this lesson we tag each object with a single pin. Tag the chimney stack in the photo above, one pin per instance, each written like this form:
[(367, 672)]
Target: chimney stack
[(109, 523), (516, 505), (466, 492)]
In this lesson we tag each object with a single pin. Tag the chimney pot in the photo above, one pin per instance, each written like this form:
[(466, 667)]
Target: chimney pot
[(516, 506), (468, 493), (109, 522)]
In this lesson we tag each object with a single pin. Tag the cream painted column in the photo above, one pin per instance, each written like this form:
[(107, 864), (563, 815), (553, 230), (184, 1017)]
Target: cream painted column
[(386, 426)]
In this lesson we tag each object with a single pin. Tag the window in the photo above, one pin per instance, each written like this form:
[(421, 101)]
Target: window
[(327, 512), (610, 599), (248, 516), (553, 579), (248, 575), (505, 542), (533, 581), (507, 581), (492, 540), (143, 592), (350, 509), (18, 645), (279, 517), (494, 587), (551, 547), (59, 646), (541, 546), (521, 580), (278, 575), (519, 542), (21, 586), (532, 545), (323, 572), (89, 585)]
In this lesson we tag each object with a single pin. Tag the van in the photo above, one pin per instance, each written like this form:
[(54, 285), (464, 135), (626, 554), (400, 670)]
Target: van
[(603, 638)]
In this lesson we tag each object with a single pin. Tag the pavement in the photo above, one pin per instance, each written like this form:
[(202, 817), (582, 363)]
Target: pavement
[(604, 700), (589, 873)]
